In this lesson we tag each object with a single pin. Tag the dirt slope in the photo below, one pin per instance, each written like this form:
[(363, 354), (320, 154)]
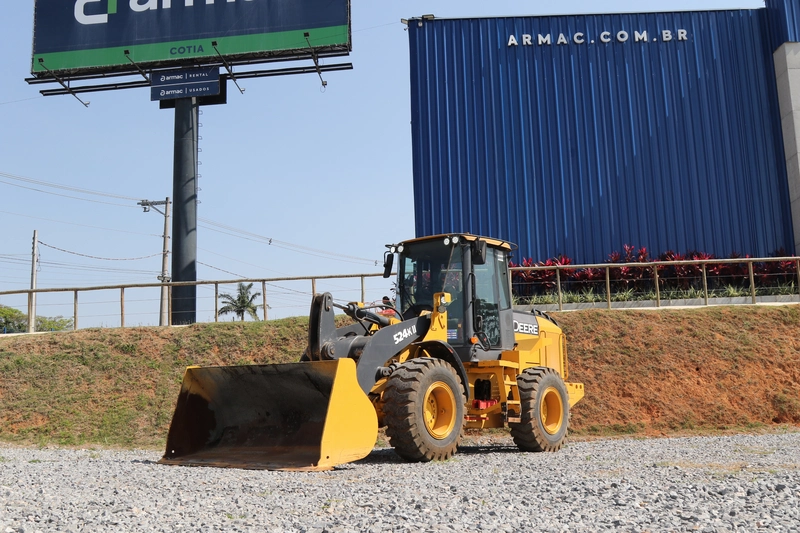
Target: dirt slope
[(711, 368), (645, 372)]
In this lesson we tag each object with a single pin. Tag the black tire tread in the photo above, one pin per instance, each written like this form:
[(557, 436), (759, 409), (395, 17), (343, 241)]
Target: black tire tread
[(528, 434), (405, 431)]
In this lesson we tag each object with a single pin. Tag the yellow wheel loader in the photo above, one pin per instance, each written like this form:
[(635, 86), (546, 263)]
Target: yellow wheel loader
[(450, 354)]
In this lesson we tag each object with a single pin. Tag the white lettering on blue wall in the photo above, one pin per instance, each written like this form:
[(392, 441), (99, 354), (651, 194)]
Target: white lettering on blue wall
[(621, 36)]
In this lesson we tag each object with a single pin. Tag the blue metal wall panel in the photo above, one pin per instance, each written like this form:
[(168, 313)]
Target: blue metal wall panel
[(578, 149), (784, 21)]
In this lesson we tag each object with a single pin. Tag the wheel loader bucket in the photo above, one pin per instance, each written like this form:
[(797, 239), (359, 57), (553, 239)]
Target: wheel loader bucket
[(297, 416)]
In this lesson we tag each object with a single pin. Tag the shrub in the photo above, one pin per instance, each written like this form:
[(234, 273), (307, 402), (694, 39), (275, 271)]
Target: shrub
[(774, 277)]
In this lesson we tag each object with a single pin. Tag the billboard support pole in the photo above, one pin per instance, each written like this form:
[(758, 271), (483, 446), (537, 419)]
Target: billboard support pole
[(227, 66), (316, 61), (184, 220), (62, 83), (142, 72)]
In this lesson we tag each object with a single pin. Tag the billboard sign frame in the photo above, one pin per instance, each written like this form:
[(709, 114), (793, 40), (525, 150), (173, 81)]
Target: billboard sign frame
[(80, 39)]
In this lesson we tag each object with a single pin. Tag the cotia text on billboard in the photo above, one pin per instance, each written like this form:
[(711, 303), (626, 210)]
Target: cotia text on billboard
[(527, 39)]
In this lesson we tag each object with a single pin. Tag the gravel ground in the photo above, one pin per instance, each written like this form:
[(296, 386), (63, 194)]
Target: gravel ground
[(730, 483)]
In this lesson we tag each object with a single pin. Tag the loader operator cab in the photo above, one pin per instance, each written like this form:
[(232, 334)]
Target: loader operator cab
[(476, 276)]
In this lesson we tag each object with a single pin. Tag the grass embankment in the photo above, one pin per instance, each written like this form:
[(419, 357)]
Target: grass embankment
[(645, 372)]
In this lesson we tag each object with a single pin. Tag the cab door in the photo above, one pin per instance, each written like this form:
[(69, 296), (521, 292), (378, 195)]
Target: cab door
[(492, 304)]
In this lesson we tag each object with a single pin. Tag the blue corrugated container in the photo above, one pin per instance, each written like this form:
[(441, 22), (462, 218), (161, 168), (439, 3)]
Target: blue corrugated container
[(581, 147), (784, 21)]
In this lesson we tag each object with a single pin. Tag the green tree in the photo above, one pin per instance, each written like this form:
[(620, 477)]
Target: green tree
[(56, 323), (15, 321), (241, 303), (12, 320)]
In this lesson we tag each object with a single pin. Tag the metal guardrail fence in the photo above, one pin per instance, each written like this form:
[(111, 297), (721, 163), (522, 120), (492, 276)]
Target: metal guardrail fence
[(216, 284), (619, 282), (778, 274)]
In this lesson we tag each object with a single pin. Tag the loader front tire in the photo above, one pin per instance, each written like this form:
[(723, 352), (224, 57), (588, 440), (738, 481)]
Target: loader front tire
[(545, 411), (424, 410)]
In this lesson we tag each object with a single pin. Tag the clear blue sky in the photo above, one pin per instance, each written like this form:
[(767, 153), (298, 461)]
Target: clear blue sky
[(327, 175)]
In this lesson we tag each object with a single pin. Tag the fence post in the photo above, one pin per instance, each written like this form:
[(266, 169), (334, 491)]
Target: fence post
[(705, 284), (608, 286), (122, 307), (31, 312), (313, 287), (752, 281), (363, 290), (75, 313), (797, 271), (558, 284), (216, 302), (658, 290), (264, 298)]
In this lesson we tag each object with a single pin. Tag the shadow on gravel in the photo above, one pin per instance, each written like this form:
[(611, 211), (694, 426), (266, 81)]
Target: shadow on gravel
[(493, 448), (388, 456), (380, 457)]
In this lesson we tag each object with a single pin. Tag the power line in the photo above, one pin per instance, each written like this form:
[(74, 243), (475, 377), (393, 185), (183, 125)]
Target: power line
[(243, 262), (65, 187), (101, 258), (21, 100), (66, 195), (270, 241), (374, 27), (7, 259), (21, 279), (274, 241), (269, 284), (240, 261), (81, 225), (93, 268), (71, 266), (314, 252), (221, 270)]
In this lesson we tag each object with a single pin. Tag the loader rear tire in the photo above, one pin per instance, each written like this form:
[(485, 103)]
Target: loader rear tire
[(424, 410), (545, 411)]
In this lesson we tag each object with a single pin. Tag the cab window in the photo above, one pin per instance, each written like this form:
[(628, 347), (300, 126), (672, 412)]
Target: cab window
[(491, 293), (425, 269)]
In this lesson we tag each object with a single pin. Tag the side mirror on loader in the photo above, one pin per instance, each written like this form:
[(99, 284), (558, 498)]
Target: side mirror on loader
[(388, 262), (479, 252)]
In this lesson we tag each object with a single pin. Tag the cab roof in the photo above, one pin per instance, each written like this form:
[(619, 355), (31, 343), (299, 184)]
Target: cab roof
[(494, 243)]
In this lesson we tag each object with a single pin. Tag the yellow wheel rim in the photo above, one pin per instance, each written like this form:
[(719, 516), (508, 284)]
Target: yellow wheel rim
[(440, 410), (551, 411)]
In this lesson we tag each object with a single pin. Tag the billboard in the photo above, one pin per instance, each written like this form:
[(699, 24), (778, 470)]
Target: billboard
[(76, 37)]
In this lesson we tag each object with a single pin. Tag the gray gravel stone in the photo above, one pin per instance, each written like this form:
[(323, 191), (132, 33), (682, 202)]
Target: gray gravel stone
[(731, 483)]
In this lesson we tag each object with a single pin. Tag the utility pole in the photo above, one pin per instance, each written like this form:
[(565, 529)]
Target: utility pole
[(32, 295), (163, 318)]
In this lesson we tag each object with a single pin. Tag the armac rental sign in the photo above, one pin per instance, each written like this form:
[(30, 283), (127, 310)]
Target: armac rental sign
[(95, 36)]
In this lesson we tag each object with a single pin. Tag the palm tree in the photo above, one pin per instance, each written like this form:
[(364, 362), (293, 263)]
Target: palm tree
[(241, 303)]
